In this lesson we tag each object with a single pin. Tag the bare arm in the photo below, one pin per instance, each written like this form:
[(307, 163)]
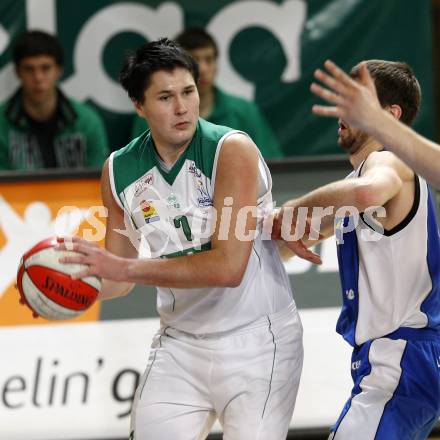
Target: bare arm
[(115, 242), (223, 265), (357, 103), (418, 152), (381, 181), (226, 262), (378, 184)]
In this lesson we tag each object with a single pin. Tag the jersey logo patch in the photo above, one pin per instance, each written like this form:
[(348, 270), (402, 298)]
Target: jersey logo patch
[(349, 294), (204, 200), (192, 169), (149, 212), (172, 201), (142, 184), (356, 365)]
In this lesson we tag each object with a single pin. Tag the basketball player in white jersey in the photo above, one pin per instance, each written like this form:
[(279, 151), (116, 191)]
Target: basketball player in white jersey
[(356, 103), (230, 342), (389, 265)]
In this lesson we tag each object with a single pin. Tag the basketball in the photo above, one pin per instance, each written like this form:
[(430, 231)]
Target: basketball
[(46, 287)]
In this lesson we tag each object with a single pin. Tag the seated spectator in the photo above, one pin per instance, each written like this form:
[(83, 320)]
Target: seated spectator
[(219, 107), (40, 127)]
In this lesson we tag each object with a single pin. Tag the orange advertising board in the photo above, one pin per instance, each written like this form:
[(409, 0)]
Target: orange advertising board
[(32, 211)]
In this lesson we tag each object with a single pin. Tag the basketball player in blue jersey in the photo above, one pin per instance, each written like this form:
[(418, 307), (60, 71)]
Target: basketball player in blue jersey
[(230, 342), (389, 263), (356, 103)]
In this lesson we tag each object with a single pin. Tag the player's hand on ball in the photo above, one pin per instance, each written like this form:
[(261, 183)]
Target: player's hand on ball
[(46, 287), (99, 261)]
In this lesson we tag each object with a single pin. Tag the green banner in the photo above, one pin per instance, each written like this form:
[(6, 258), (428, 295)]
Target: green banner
[(268, 51)]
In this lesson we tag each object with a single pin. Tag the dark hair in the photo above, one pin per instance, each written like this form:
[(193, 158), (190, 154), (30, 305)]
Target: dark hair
[(196, 38), (163, 54), (396, 84), (35, 43)]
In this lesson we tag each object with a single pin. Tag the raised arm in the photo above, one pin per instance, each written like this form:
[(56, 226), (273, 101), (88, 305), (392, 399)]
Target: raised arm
[(356, 102), (382, 179)]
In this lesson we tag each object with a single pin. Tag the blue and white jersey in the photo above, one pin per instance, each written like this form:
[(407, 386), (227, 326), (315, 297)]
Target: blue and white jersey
[(389, 280)]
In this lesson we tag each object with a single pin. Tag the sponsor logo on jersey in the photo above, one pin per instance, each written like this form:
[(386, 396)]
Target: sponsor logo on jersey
[(356, 365), (339, 233), (149, 212), (172, 201), (349, 294), (204, 200), (142, 184), (192, 169)]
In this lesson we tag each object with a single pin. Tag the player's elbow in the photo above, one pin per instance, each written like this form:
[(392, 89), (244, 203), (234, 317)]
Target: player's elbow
[(366, 196), (236, 280), (232, 276), (370, 193), (231, 279)]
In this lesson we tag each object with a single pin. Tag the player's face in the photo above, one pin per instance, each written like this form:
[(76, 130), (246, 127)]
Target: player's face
[(350, 139), (207, 61), (39, 76), (171, 107)]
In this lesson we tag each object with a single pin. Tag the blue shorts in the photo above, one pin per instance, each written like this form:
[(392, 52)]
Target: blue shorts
[(396, 393)]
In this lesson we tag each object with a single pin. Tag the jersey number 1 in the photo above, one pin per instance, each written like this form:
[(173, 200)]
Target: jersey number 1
[(182, 222)]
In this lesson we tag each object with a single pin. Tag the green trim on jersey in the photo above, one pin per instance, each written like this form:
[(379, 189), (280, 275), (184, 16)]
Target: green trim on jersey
[(202, 248), (139, 156), (171, 174)]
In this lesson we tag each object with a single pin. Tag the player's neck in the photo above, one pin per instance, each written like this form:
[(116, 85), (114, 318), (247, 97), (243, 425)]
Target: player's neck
[(207, 102), (41, 111), (170, 153), (364, 151)]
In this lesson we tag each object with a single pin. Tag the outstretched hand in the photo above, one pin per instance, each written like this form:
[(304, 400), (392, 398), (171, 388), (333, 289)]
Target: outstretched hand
[(298, 247), (353, 101)]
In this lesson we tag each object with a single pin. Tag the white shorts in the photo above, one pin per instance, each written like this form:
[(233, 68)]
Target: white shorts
[(247, 378)]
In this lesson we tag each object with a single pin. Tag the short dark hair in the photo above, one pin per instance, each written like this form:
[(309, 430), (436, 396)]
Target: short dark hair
[(163, 54), (196, 38), (35, 43), (396, 84)]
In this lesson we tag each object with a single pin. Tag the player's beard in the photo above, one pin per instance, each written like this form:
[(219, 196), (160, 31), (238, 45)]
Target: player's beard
[(352, 140)]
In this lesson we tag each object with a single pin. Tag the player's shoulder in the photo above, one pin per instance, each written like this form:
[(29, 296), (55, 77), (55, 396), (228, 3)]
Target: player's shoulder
[(384, 158), (133, 147), (213, 133), (210, 131), (239, 147), (210, 136), (380, 157)]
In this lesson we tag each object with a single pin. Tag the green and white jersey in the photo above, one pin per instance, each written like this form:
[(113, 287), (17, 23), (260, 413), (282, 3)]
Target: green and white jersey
[(169, 213)]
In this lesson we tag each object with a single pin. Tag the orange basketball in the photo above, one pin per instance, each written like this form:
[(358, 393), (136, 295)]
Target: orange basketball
[(46, 287)]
